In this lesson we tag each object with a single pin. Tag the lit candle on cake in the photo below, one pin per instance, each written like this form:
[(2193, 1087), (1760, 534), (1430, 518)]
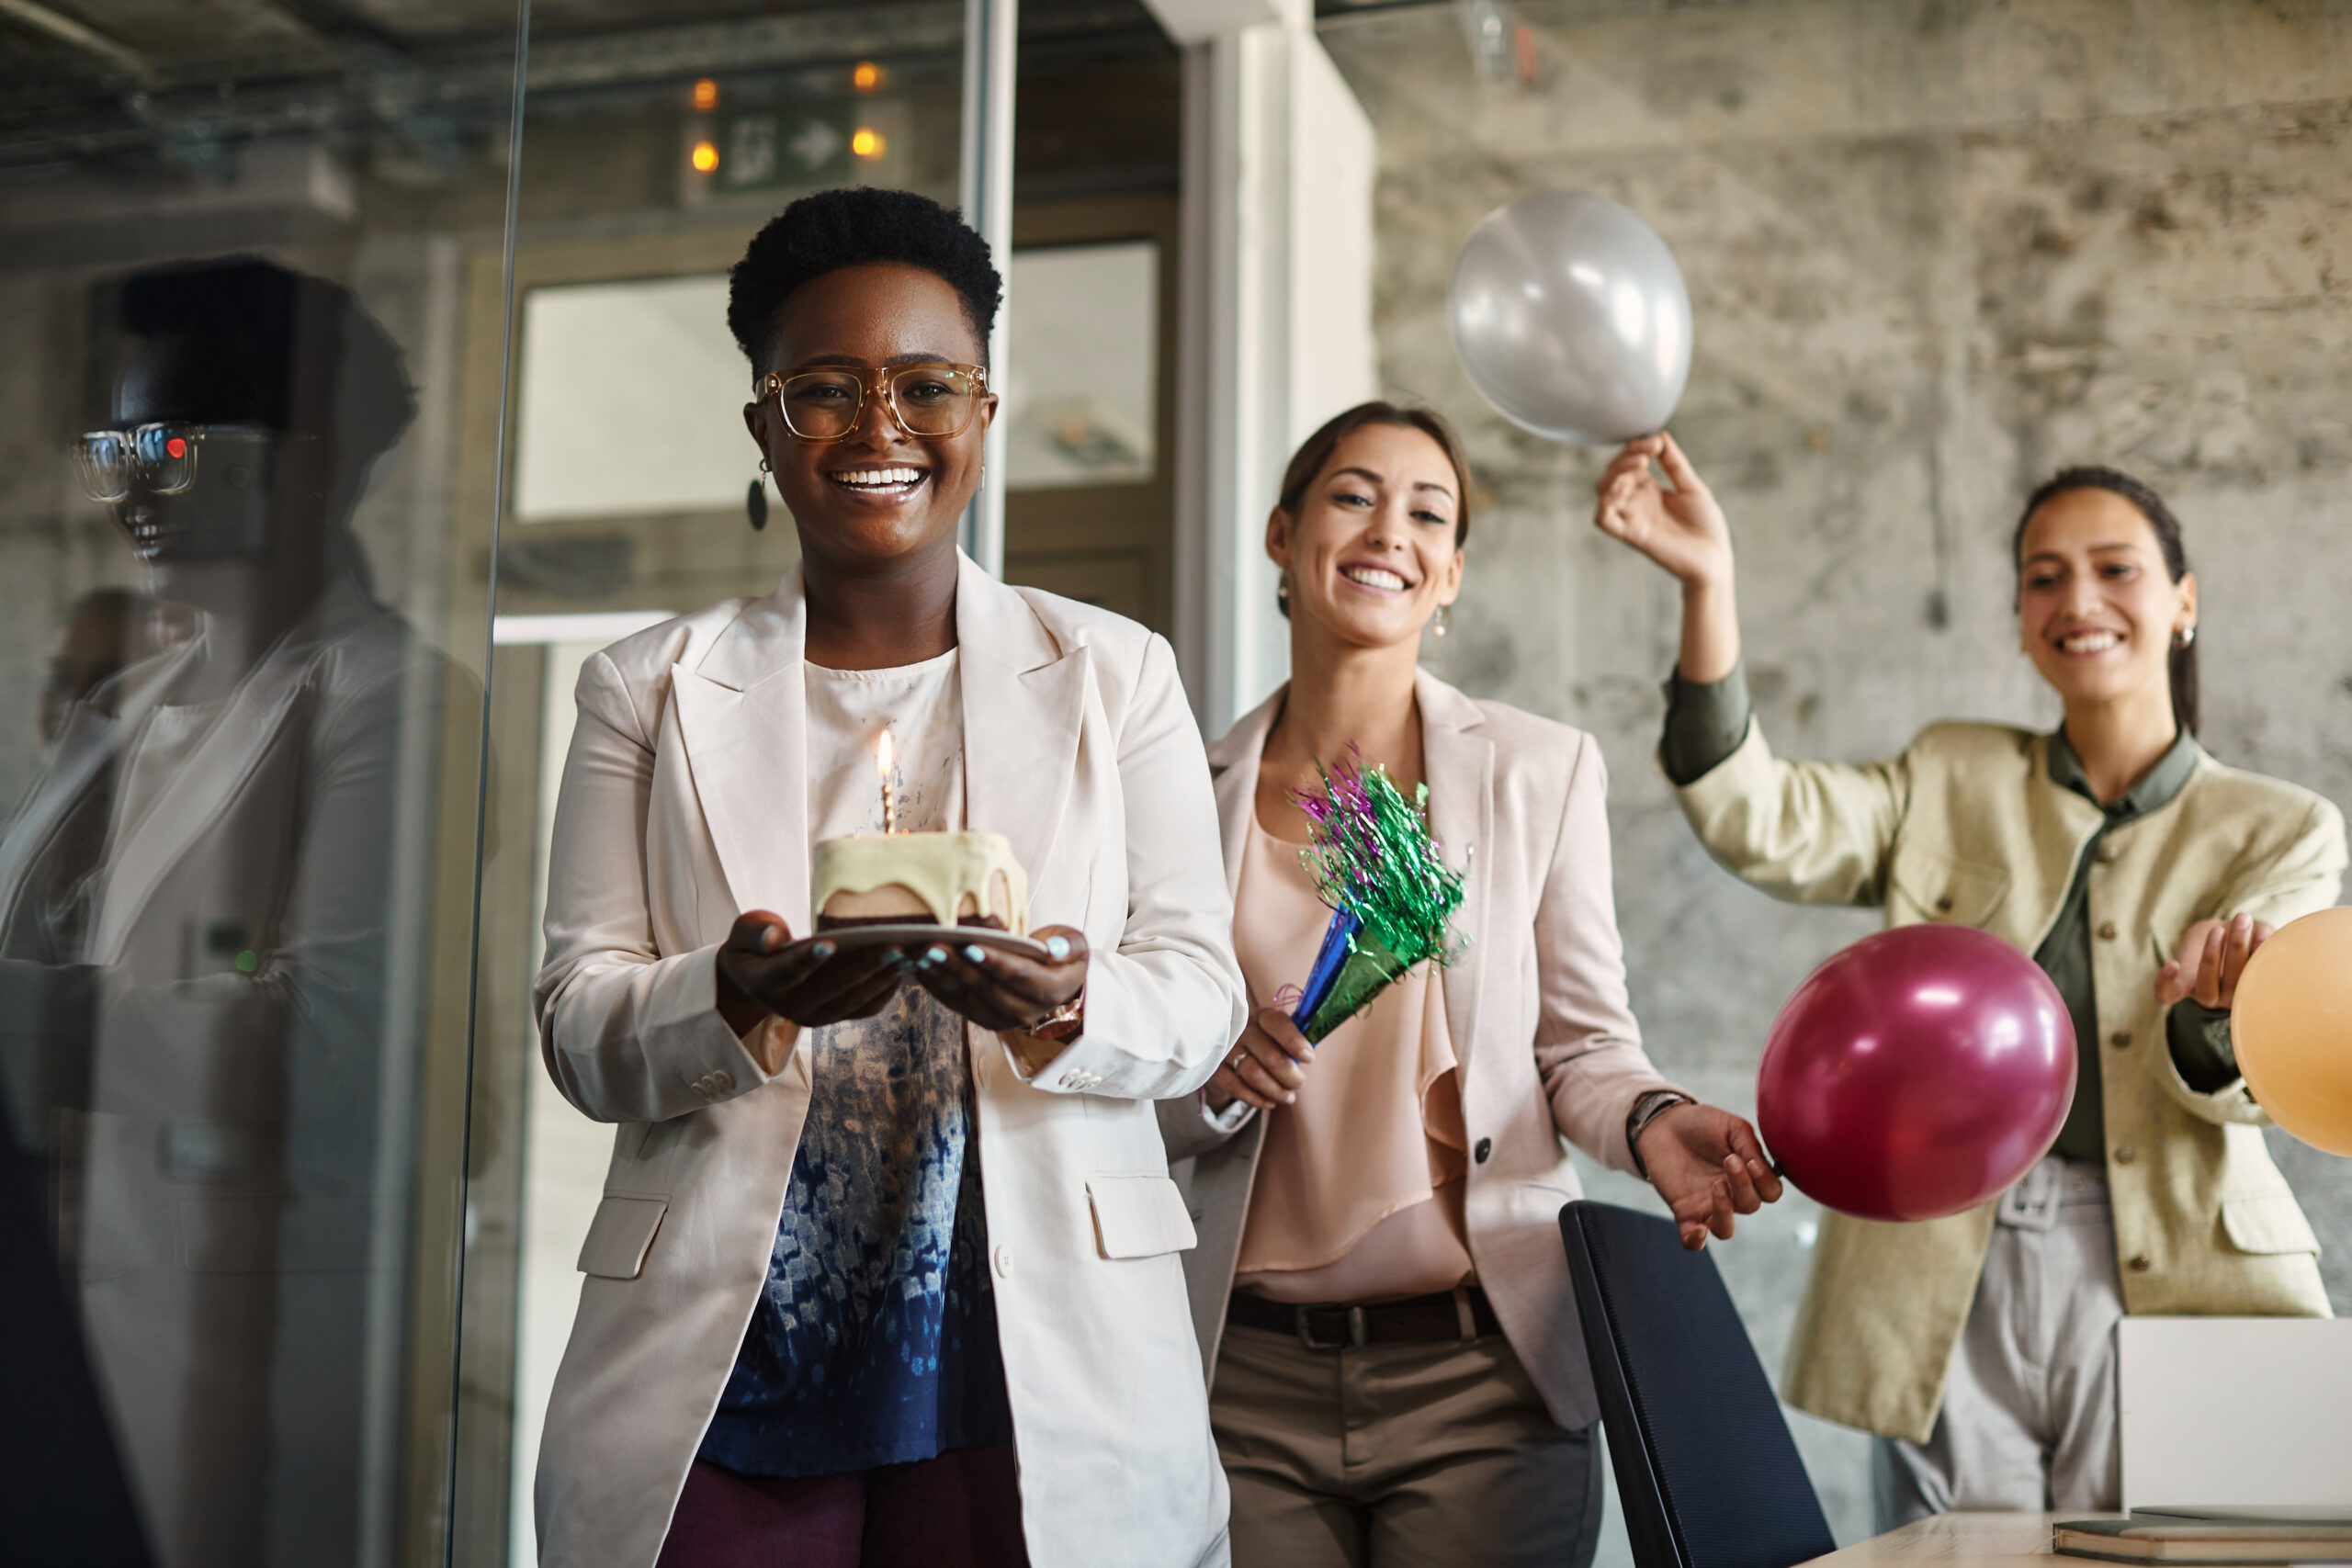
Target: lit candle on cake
[(892, 878)]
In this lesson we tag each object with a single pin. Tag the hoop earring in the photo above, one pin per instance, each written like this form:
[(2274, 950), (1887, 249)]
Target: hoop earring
[(755, 500), (1438, 623)]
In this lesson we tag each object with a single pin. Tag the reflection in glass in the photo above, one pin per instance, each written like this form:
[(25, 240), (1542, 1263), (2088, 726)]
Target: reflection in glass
[(197, 940), (105, 629), (160, 456)]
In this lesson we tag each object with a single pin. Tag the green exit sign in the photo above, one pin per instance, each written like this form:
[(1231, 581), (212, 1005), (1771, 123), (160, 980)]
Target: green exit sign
[(786, 147)]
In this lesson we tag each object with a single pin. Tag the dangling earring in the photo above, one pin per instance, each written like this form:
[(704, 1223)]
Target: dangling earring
[(1445, 614), (755, 500)]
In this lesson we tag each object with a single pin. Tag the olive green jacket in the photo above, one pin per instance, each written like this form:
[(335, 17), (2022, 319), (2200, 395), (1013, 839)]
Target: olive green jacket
[(1967, 826)]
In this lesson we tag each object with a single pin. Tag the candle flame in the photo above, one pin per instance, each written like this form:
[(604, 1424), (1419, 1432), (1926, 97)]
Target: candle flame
[(882, 755)]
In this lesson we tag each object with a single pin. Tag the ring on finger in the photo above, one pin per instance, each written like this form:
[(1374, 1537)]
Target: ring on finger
[(1236, 1060)]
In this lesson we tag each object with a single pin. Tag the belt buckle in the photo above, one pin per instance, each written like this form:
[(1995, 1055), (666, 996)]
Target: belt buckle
[(2032, 1203), (1305, 1323)]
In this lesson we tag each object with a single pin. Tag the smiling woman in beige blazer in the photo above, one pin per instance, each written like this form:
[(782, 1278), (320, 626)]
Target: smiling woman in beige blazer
[(2140, 874), (760, 1370), (1381, 1294)]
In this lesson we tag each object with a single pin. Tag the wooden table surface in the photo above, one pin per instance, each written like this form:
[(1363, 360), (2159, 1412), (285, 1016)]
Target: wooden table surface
[(1966, 1541)]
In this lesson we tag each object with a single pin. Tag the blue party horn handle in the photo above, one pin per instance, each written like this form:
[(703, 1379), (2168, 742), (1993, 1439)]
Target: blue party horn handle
[(1329, 960)]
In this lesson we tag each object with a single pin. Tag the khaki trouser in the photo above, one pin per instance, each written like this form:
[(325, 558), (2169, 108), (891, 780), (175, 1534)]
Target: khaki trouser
[(2029, 1419), (1391, 1455)]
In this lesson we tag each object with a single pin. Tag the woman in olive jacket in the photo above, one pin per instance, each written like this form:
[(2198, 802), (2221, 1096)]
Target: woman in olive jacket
[(2140, 874)]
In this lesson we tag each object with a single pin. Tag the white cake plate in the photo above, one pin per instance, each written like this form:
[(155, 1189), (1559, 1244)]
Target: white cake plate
[(914, 938)]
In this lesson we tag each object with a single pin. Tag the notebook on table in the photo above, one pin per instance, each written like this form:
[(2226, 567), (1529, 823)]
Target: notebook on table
[(2147, 1538)]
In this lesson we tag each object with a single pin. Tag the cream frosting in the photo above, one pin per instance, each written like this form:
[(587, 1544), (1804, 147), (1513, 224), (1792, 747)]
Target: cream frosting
[(947, 875)]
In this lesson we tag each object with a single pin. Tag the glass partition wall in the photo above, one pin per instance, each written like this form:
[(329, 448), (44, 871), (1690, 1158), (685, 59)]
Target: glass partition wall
[(243, 249)]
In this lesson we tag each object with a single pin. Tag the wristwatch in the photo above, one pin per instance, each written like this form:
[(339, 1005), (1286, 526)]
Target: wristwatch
[(1647, 1108), (1065, 1023)]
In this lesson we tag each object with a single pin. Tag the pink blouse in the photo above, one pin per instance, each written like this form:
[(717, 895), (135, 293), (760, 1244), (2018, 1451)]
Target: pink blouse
[(1357, 1196)]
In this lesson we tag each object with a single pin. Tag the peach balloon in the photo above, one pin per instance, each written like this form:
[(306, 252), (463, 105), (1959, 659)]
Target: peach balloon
[(2292, 1023)]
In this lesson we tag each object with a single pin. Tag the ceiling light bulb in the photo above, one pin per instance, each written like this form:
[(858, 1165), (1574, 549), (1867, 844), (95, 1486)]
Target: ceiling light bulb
[(705, 157), (866, 142)]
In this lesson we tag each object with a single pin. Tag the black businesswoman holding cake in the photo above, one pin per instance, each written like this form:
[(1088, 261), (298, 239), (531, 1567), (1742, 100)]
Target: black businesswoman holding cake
[(879, 1217)]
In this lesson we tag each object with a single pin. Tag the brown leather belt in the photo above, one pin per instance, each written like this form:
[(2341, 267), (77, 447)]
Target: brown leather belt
[(1457, 1314)]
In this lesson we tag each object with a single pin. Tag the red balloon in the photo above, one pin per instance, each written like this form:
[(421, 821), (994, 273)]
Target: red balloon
[(1917, 1074)]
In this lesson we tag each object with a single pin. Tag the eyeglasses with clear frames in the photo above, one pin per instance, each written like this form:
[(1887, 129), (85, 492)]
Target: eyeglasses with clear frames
[(825, 405), (162, 457)]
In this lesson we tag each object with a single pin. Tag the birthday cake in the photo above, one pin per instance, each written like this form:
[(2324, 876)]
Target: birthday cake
[(948, 879)]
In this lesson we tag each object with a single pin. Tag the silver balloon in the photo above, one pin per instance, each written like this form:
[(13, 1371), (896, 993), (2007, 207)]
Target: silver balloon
[(1572, 318)]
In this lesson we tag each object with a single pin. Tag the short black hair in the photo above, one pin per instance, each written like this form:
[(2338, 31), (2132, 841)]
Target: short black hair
[(856, 226), (283, 348)]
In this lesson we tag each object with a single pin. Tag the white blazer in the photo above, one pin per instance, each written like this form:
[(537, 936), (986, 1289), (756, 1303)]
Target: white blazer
[(1536, 1005), (683, 805)]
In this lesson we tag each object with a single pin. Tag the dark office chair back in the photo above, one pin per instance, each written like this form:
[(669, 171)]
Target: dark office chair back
[(1706, 1470)]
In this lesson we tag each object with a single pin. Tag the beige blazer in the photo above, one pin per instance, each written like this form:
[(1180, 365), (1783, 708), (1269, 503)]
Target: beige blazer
[(1536, 1005), (681, 805), (1967, 826)]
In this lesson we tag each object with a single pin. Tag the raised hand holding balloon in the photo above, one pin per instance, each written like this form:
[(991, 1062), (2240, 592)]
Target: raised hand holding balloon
[(1572, 318), (1391, 893), (2291, 1025), (1917, 1074)]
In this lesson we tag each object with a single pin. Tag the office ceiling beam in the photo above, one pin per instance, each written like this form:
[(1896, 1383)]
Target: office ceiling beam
[(793, 39), (79, 36)]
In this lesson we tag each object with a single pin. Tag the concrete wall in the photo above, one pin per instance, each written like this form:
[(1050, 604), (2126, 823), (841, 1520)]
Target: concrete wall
[(1937, 248)]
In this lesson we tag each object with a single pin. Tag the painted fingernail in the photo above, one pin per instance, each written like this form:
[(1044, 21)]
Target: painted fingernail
[(974, 953), (823, 950), (934, 955), (1057, 948)]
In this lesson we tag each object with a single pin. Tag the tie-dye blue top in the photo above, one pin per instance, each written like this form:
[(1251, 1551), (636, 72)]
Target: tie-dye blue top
[(875, 1340)]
